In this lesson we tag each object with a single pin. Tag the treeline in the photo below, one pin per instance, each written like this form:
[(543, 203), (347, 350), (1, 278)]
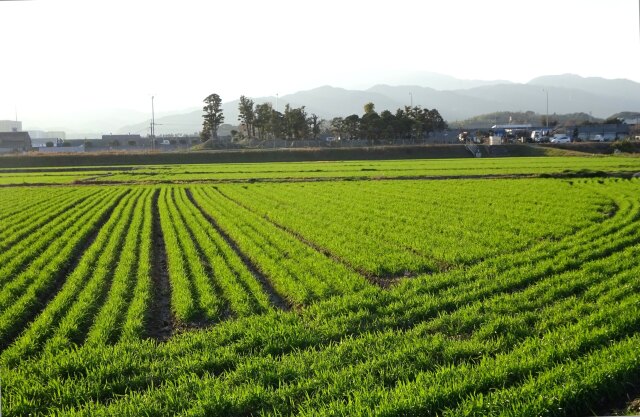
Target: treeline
[(407, 123), (485, 121), (263, 122)]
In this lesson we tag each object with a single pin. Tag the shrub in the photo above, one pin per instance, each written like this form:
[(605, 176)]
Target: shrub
[(625, 145)]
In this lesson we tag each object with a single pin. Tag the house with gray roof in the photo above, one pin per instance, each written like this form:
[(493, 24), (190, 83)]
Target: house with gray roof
[(15, 142)]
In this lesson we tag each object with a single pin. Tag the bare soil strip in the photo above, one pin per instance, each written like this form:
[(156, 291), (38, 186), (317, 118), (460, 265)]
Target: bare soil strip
[(627, 405), (161, 323), (276, 299), (60, 278)]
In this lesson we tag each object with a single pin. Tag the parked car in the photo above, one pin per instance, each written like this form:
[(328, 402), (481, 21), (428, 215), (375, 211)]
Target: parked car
[(561, 139), (540, 136), (598, 138)]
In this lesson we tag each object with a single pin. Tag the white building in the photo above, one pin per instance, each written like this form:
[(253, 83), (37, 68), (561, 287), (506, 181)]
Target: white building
[(40, 137), (10, 126), (41, 134)]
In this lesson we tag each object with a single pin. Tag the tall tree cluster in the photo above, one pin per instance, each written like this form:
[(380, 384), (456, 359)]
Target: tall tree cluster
[(247, 115), (213, 117), (262, 122), (407, 123)]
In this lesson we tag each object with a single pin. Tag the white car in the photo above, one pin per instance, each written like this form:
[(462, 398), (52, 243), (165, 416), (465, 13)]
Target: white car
[(561, 139)]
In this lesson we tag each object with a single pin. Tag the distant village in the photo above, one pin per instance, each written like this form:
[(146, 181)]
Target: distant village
[(13, 139)]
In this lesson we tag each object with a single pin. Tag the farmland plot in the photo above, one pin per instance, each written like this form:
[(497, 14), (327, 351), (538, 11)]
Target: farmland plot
[(452, 297), (389, 228), (321, 171)]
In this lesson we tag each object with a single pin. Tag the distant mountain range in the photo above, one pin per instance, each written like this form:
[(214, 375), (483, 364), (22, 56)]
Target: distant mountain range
[(455, 99)]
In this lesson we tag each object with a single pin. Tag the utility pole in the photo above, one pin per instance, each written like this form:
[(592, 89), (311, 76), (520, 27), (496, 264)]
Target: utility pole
[(153, 128), (547, 109), (547, 114), (276, 115), (411, 96)]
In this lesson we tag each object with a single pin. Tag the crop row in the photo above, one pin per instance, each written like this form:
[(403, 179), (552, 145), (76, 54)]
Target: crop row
[(209, 279), (239, 287), (297, 272), (554, 256), (13, 202), (22, 296), (35, 216), (206, 245), (516, 330), (192, 292), (99, 300), (386, 228), (28, 250), (511, 334), (372, 169), (31, 248)]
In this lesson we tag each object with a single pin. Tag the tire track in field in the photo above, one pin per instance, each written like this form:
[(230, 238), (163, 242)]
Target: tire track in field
[(58, 281), (276, 299), (161, 322), (382, 281)]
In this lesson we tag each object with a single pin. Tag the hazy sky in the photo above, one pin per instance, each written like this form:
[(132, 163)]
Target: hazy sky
[(62, 60)]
